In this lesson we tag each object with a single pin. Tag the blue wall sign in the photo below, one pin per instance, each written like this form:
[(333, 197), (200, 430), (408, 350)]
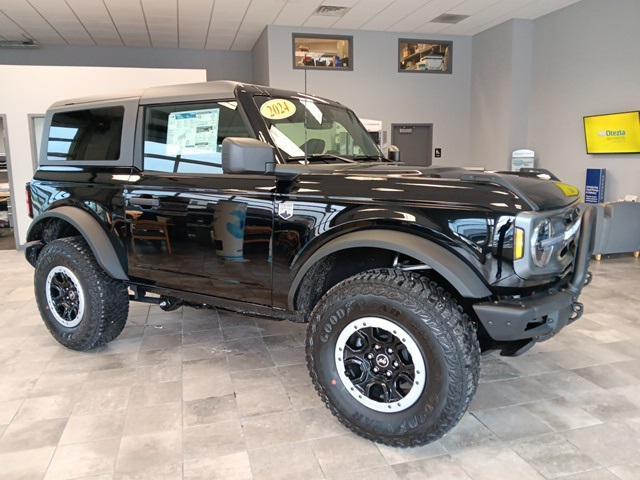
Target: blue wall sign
[(594, 186)]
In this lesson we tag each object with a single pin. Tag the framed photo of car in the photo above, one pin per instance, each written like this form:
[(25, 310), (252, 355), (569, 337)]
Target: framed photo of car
[(425, 56), (322, 52)]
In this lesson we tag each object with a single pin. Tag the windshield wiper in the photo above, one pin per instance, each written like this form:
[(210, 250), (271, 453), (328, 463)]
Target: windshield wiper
[(324, 157), (376, 158)]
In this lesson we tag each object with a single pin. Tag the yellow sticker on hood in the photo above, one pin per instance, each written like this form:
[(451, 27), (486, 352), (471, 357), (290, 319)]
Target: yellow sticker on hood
[(277, 109), (568, 190)]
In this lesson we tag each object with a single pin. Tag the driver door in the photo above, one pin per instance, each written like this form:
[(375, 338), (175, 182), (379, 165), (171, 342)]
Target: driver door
[(192, 227)]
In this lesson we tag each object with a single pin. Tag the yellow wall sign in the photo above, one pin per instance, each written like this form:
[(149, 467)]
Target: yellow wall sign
[(614, 133), (277, 109)]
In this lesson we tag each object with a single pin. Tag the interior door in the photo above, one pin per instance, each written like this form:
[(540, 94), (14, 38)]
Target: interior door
[(8, 235), (414, 142), (192, 227)]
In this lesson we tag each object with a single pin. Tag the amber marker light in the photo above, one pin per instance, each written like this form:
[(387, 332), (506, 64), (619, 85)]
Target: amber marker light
[(518, 244)]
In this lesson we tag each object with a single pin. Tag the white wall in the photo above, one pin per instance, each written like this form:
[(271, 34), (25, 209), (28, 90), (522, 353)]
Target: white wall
[(533, 81), (219, 64), (30, 90), (586, 61), (376, 90)]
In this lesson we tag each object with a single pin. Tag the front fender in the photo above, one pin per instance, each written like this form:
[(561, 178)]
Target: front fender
[(95, 236), (463, 278)]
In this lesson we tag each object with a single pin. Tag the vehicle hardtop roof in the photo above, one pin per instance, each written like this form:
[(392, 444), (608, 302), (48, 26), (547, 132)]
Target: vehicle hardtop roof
[(215, 90)]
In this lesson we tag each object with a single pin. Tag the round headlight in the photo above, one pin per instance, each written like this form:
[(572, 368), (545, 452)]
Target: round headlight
[(540, 253)]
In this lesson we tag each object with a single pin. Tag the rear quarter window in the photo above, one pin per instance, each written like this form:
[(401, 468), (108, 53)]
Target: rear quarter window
[(90, 134)]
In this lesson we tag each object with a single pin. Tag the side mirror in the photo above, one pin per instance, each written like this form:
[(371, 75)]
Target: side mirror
[(393, 153), (247, 155)]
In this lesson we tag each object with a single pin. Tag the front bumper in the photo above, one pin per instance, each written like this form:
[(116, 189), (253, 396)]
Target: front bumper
[(541, 316), (536, 318)]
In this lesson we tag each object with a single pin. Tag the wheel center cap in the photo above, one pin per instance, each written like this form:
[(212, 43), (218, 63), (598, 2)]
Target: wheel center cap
[(382, 360)]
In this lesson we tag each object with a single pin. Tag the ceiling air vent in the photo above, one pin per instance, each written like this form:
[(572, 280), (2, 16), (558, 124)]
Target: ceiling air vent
[(449, 18), (331, 10), (28, 43)]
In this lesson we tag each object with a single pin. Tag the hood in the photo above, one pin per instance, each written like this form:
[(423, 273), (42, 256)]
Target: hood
[(492, 190), (539, 194)]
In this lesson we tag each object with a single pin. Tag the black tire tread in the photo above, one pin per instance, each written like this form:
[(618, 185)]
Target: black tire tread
[(458, 330), (112, 305)]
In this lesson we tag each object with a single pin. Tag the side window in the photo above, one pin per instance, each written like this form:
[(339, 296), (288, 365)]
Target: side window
[(187, 138), (93, 134)]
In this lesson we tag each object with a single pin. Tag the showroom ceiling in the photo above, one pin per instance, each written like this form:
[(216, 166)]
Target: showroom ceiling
[(236, 24)]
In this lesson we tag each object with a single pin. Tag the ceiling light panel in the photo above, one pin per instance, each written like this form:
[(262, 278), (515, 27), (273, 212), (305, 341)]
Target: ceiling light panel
[(342, 3), (392, 14), (31, 22), (227, 16), (95, 18), (430, 27), (253, 23), (162, 20), (63, 20), (505, 14), (129, 22), (496, 12), (424, 14), (320, 21), (360, 13), (542, 7), (296, 12), (193, 18), (471, 7)]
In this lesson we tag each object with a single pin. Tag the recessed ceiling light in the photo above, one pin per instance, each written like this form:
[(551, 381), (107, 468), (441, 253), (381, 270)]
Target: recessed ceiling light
[(331, 10), (451, 18)]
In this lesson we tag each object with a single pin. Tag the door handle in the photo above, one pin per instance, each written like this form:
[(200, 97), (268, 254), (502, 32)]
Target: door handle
[(145, 202)]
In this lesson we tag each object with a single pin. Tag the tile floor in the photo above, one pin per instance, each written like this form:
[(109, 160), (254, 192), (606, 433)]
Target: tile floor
[(203, 394)]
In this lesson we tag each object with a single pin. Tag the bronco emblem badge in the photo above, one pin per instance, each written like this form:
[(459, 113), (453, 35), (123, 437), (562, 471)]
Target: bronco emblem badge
[(382, 360), (285, 210)]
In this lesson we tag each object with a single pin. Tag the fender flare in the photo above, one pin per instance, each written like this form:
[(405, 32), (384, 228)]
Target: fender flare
[(95, 236), (463, 278)]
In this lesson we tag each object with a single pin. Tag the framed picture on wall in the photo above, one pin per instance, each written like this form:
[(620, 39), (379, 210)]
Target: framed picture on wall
[(425, 56), (322, 52)]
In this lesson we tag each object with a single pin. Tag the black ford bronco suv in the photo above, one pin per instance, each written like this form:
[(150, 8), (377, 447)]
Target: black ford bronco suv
[(278, 203)]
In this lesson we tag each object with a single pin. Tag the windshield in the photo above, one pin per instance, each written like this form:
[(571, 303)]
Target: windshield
[(306, 128)]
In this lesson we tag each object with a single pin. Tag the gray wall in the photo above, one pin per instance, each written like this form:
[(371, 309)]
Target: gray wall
[(586, 61), (220, 65), (500, 92), (376, 90), (532, 82), (260, 58), (491, 81)]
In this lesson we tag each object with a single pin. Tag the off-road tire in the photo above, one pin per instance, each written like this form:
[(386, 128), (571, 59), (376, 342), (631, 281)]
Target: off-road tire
[(444, 333), (107, 299)]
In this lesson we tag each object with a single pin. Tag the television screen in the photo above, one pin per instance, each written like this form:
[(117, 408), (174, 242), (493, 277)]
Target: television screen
[(613, 133)]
